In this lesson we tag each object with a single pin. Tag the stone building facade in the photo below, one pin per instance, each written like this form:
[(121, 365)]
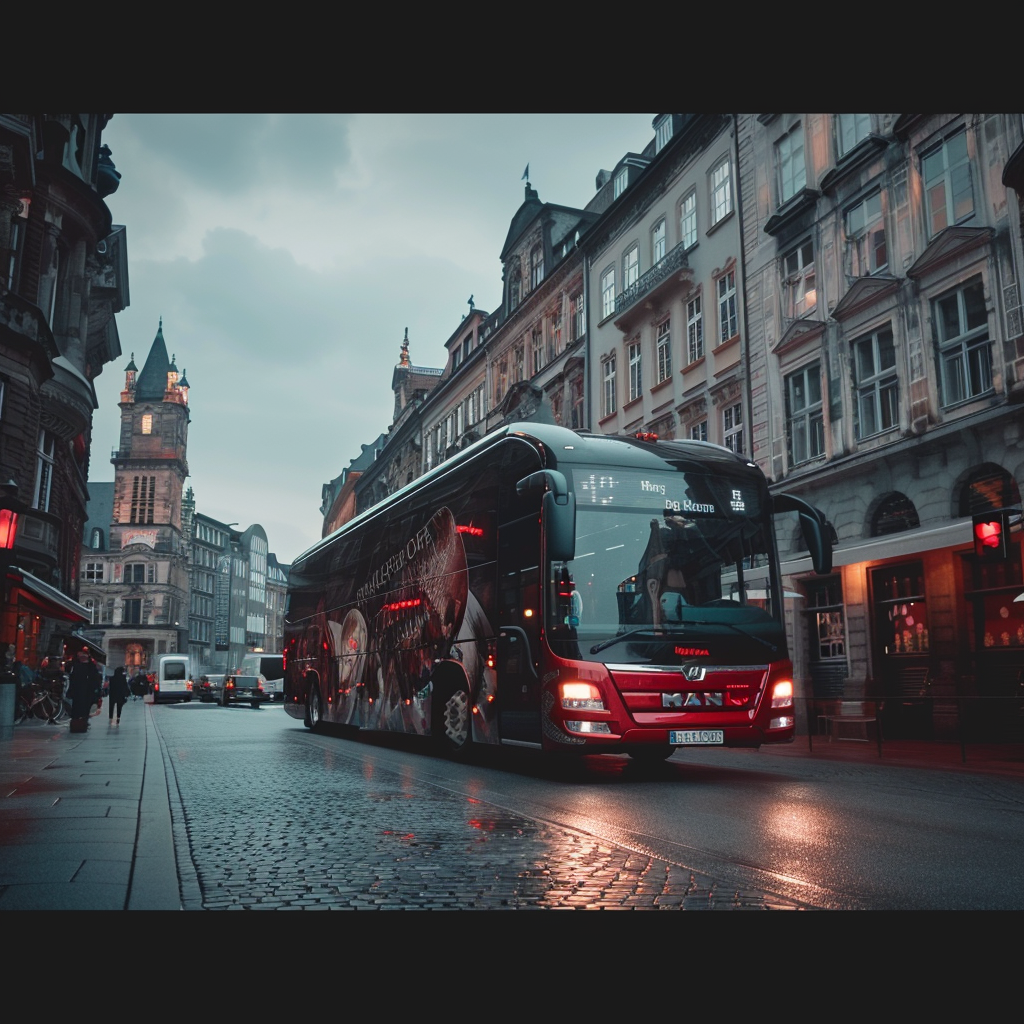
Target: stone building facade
[(63, 277), (138, 585), (882, 255)]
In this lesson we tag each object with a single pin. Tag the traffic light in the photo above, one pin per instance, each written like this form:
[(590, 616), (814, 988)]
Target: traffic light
[(992, 535)]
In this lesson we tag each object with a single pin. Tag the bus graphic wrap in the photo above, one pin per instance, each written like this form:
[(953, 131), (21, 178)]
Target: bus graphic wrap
[(555, 589)]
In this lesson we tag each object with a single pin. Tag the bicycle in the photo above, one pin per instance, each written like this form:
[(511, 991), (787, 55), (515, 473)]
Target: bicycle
[(37, 700)]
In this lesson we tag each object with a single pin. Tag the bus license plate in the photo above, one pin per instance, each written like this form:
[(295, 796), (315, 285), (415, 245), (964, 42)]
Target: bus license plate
[(696, 737)]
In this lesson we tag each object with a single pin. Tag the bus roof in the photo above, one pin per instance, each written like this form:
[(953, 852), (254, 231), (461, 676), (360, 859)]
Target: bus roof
[(554, 442)]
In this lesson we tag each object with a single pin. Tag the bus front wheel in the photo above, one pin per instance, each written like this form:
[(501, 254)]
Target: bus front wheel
[(453, 718)]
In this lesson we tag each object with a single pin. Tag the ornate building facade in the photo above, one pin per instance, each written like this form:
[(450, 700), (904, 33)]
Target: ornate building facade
[(63, 277), (137, 590)]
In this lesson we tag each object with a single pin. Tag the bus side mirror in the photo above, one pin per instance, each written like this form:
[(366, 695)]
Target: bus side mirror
[(819, 534), (559, 509)]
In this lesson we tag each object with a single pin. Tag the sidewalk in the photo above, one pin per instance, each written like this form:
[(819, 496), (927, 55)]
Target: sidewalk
[(85, 819)]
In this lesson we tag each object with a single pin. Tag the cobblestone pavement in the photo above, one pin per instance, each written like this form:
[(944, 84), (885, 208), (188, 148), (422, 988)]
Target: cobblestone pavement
[(341, 833)]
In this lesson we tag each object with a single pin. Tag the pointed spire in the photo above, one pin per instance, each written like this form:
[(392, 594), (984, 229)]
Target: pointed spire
[(131, 367), (404, 360), (151, 384)]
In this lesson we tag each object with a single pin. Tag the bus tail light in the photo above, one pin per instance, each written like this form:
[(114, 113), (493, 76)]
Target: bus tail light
[(581, 697)]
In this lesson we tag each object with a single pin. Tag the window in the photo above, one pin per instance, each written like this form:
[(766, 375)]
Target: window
[(688, 220), (630, 268), (608, 368), (44, 471), (825, 604), (576, 398), (621, 179), (664, 348), (536, 266), (555, 337), (515, 284), (93, 572), (850, 130), (789, 155), (635, 370), (895, 514), (727, 306), (139, 572), (874, 367), (579, 317), (608, 293), (965, 357), (658, 242), (662, 133), (132, 612), (798, 284), (143, 499), (537, 348), (732, 428), (147, 423), (865, 237), (694, 330), (805, 428), (90, 606), (949, 196), (699, 431), (721, 192)]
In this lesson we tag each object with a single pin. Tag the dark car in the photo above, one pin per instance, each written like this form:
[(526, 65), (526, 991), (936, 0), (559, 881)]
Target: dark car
[(243, 690), (208, 687)]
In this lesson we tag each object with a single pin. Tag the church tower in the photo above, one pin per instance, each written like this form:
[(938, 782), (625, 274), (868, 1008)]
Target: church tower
[(146, 607)]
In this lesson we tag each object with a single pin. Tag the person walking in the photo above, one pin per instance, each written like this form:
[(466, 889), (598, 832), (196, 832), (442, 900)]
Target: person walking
[(118, 694), (84, 689)]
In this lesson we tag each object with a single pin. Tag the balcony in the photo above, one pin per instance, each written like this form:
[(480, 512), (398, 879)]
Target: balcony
[(672, 273)]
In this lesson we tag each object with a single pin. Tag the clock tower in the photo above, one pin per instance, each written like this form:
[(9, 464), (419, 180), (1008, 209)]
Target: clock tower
[(144, 604)]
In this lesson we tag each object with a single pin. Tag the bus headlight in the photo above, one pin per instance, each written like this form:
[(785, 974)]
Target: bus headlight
[(782, 694), (581, 697)]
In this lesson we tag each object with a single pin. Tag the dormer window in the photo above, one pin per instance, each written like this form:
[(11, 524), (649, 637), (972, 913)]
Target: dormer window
[(662, 133), (536, 266), (621, 181)]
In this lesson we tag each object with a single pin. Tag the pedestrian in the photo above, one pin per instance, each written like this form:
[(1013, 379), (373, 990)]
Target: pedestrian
[(119, 693), (84, 688)]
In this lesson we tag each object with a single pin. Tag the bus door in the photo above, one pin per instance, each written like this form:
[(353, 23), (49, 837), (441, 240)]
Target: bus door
[(520, 615)]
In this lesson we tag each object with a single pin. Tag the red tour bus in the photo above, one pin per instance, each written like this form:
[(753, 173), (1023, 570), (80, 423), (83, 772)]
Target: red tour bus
[(569, 591)]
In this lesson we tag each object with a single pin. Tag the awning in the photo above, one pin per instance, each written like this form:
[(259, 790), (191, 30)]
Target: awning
[(42, 598), (76, 642), (895, 545)]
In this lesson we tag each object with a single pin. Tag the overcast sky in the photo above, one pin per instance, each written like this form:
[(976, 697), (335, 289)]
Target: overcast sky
[(287, 253)]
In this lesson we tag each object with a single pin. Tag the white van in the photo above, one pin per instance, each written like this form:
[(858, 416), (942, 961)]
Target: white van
[(171, 679)]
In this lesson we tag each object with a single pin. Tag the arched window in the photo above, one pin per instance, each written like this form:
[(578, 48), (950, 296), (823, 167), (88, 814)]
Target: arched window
[(895, 514), (96, 540), (988, 487)]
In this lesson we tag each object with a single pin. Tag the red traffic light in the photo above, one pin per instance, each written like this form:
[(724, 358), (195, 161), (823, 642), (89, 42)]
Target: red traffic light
[(991, 530)]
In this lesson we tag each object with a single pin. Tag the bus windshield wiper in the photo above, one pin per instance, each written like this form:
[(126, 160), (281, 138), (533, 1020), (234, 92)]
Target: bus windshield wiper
[(735, 628), (649, 632)]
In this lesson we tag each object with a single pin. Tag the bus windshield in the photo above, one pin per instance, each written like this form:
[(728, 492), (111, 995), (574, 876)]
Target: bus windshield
[(685, 554)]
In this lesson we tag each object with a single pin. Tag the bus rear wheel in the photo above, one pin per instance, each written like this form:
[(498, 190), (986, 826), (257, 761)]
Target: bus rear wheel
[(314, 710), (454, 720)]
